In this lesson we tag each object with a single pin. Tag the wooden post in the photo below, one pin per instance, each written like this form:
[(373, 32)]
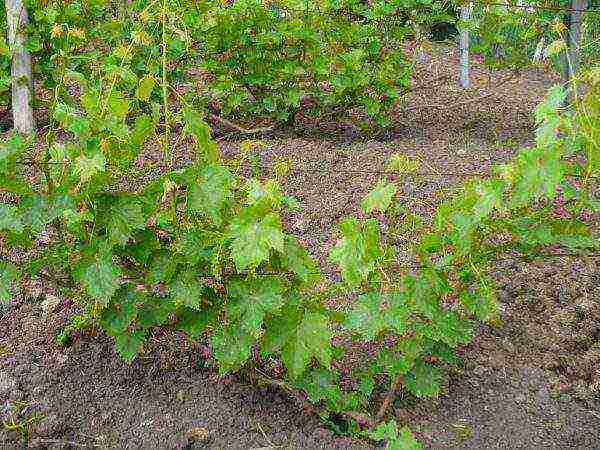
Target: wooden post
[(572, 57), (575, 32), (22, 81), (463, 46)]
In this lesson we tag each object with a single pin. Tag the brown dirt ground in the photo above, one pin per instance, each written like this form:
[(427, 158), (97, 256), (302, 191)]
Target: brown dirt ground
[(531, 382)]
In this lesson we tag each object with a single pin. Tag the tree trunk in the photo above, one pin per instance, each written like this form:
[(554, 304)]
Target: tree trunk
[(22, 81), (465, 15), (572, 59)]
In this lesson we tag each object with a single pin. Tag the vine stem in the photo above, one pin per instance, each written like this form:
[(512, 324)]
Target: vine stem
[(240, 129), (388, 399), (257, 376)]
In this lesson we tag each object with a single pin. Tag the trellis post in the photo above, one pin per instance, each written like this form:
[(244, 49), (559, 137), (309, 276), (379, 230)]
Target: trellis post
[(22, 81)]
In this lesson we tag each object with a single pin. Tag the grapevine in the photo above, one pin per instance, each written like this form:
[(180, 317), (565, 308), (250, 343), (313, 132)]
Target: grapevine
[(200, 248)]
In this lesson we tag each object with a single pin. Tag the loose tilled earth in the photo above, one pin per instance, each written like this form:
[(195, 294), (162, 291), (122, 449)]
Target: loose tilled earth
[(532, 381)]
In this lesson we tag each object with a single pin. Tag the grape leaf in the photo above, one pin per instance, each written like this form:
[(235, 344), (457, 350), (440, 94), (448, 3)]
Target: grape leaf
[(401, 359), (10, 149), (280, 329), (388, 431), (490, 193), (118, 106), (451, 329), (482, 302), (154, 311), (186, 290), (232, 348), (358, 251), (539, 172), (405, 441), (252, 300), (423, 380), (126, 217), (202, 132), (162, 267), (296, 258), (379, 198), (321, 384), (86, 167), (40, 211), (195, 322), (427, 290), (9, 219), (8, 274), (254, 237), (366, 316), (145, 87), (142, 129), (373, 313), (123, 311), (99, 275), (210, 194), (311, 338), (129, 344), (145, 243), (194, 247), (266, 194)]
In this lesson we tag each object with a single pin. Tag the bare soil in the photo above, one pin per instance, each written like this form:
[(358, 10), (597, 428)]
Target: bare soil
[(532, 381)]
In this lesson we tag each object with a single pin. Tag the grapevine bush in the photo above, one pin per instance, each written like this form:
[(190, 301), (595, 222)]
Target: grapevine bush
[(250, 60), (519, 37)]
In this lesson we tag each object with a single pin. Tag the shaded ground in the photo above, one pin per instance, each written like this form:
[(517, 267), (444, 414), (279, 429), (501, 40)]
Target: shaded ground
[(100, 401), (532, 382)]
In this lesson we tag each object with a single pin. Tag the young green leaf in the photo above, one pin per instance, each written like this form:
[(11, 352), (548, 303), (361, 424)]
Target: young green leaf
[(232, 348), (126, 217), (379, 198), (251, 301), (129, 344), (99, 274), (254, 237), (9, 219), (8, 275), (87, 166), (210, 195), (311, 338), (359, 250)]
